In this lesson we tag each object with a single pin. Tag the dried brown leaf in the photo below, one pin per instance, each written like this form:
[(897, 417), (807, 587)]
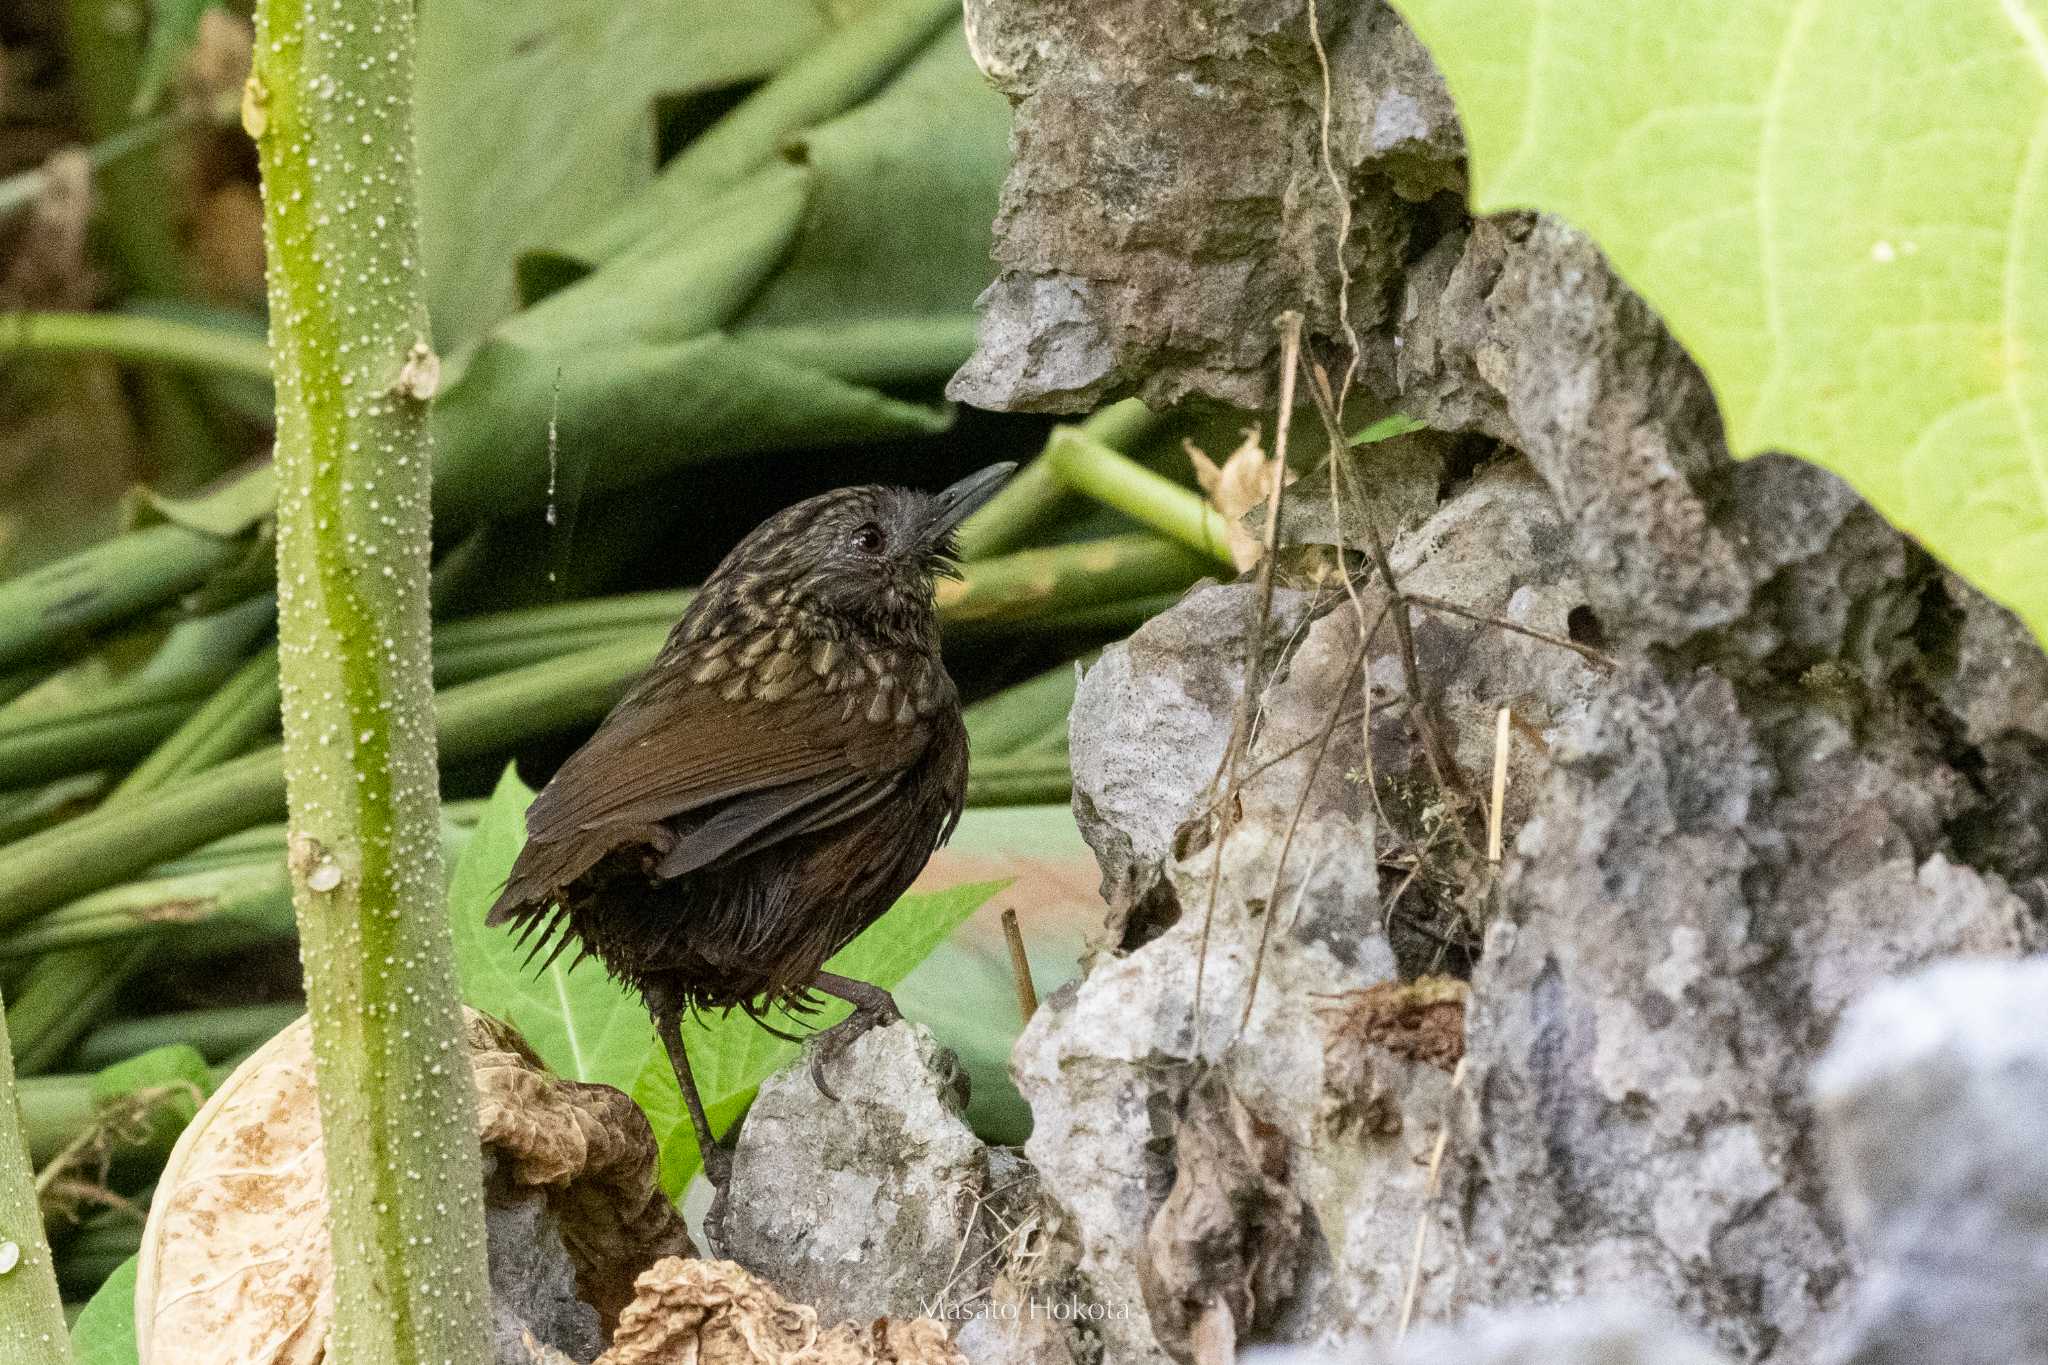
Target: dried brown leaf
[(716, 1313), (1221, 1252), (1234, 488)]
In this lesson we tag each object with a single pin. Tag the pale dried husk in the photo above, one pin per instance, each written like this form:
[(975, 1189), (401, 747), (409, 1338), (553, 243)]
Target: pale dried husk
[(235, 1262)]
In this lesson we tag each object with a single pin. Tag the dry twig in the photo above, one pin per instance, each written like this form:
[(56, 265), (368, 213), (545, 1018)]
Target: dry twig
[(1254, 650), (1020, 966)]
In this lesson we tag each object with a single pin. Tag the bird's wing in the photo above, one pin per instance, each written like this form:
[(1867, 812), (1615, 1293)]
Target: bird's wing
[(760, 752)]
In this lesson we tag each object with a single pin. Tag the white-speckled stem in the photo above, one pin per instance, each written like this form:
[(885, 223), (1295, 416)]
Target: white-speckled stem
[(330, 106), (31, 1313)]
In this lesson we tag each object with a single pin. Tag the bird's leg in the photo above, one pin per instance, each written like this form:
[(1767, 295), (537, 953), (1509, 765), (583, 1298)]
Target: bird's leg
[(717, 1161), (871, 1006)]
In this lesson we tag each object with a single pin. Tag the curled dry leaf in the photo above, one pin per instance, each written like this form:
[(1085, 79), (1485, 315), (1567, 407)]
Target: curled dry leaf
[(1234, 488), (1220, 1254), (715, 1313), (590, 1148), (235, 1263)]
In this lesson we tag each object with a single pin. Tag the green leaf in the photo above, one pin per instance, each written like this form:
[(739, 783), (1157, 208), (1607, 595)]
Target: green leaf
[(629, 368), (536, 119), (579, 1021), (1387, 428), (730, 1055), (904, 188), (165, 1086), (105, 1332), (1836, 206)]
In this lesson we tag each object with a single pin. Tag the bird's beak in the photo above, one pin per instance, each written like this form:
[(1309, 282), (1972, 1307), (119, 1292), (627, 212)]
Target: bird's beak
[(957, 503)]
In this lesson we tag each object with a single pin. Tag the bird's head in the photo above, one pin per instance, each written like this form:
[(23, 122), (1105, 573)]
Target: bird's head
[(866, 556)]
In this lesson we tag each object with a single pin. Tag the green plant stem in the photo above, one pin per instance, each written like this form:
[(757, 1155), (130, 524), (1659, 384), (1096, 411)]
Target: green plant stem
[(240, 712), (1032, 499), (1020, 780), (108, 731), (1110, 618), (54, 1110), (348, 330), (31, 1310), (138, 338), (226, 896), (135, 214), (238, 903), (1086, 465), (101, 733), (64, 994), (833, 76), (218, 1034), (1065, 577), (110, 727), (1017, 717), (60, 605), (68, 991)]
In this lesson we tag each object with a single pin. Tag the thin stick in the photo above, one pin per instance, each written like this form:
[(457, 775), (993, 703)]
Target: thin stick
[(1436, 1170), (1586, 652), (1020, 966), (1441, 765), (1315, 38), (1308, 783), (1500, 786), (1262, 610)]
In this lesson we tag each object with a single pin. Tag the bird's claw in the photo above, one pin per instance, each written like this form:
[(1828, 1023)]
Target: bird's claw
[(827, 1044)]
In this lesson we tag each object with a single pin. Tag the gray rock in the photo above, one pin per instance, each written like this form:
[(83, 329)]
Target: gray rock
[(1520, 330), (533, 1279), (869, 1206), (1688, 909), (1168, 197), (1147, 733), (1595, 1332), (1932, 1103)]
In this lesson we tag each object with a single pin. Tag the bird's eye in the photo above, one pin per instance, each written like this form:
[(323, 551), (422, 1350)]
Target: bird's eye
[(868, 539)]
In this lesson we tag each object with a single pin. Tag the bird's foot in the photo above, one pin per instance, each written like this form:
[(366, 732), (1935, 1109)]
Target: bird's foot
[(826, 1044)]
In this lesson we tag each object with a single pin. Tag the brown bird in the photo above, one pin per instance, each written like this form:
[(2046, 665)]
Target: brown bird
[(774, 781)]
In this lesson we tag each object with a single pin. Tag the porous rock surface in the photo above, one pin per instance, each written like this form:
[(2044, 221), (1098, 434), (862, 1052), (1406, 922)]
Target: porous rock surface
[(869, 1205), (1169, 194)]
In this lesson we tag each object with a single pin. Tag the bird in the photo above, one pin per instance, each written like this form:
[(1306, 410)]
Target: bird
[(770, 785)]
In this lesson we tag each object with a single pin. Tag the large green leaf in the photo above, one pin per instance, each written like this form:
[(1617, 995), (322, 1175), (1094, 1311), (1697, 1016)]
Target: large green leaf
[(105, 1332), (536, 119), (1840, 208), (904, 189), (580, 1022), (586, 1026), (628, 368)]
